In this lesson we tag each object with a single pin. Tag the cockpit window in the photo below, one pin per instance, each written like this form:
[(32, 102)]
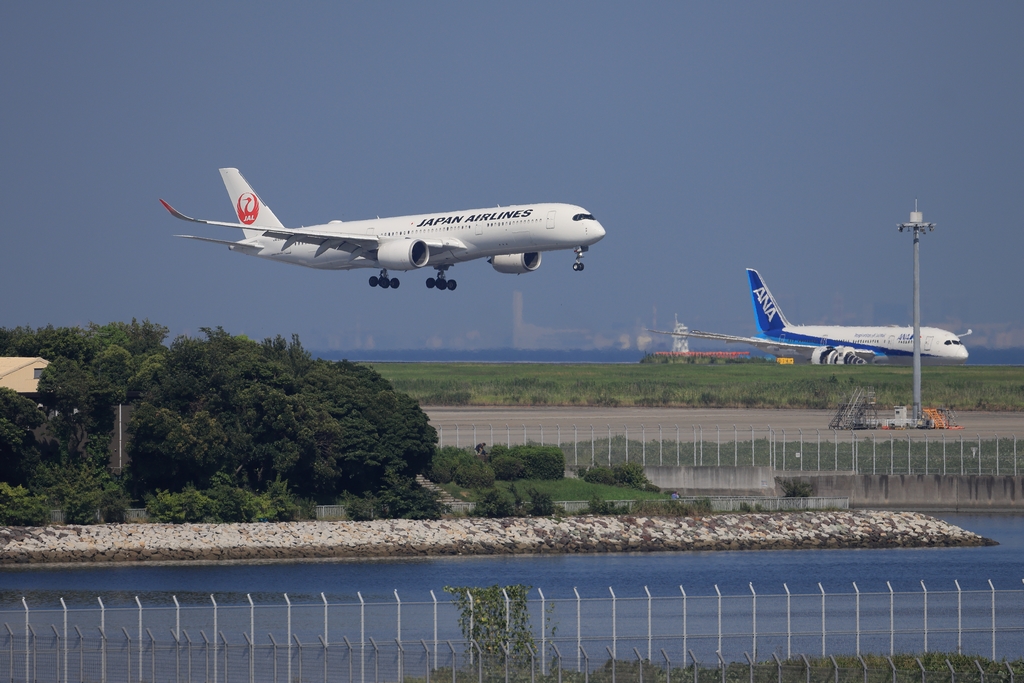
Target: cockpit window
[(952, 342), (584, 217)]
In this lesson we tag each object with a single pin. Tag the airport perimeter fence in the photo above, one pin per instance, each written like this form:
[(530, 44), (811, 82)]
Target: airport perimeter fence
[(892, 452), (713, 635)]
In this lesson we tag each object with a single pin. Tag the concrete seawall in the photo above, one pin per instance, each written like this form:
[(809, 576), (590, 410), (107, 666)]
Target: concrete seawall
[(921, 492)]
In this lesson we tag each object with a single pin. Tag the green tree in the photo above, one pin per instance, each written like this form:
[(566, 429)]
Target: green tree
[(496, 617), (19, 454), (18, 507)]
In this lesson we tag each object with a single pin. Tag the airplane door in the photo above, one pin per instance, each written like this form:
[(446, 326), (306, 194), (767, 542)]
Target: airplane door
[(551, 220), (928, 343), (892, 342), (479, 225)]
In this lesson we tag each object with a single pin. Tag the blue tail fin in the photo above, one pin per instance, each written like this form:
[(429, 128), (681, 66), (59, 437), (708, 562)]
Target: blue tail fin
[(766, 312)]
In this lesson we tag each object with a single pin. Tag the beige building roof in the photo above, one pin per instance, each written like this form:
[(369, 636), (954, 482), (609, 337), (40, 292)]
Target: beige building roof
[(21, 374)]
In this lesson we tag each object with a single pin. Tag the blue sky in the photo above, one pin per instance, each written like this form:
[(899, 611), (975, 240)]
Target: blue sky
[(706, 137)]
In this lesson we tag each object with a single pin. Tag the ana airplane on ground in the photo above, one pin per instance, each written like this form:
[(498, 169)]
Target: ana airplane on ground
[(511, 238), (835, 344)]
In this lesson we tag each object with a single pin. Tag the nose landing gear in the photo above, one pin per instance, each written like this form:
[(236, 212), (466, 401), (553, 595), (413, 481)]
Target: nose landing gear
[(578, 265), (383, 281), (440, 283)]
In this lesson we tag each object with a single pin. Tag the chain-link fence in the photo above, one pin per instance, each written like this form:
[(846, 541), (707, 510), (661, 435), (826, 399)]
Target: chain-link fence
[(890, 452), (393, 640)]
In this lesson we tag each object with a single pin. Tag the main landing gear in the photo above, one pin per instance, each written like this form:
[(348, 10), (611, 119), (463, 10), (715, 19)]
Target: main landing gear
[(440, 283), (383, 281), (578, 265)]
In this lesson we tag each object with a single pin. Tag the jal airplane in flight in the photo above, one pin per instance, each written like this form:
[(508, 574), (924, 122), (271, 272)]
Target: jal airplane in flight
[(511, 238), (835, 344)]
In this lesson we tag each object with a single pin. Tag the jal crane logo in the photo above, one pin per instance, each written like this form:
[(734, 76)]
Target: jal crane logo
[(767, 304), (248, 208)]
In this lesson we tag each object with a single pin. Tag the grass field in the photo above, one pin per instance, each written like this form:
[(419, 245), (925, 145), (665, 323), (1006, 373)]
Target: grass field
[(744, 385)]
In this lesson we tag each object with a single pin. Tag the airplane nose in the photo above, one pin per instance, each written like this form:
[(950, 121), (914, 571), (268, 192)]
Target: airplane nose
[(598, 230)]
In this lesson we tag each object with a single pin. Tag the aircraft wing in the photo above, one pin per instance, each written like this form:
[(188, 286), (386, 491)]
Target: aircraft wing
[(768, 345), (207, 239), (326, 240)]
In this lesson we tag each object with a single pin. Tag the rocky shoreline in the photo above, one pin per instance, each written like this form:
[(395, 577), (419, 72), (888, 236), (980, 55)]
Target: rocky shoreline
[(407, 538)]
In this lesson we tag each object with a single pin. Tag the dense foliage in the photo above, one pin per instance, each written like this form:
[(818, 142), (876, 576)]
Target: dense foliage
[(628, 474), (222, 429)]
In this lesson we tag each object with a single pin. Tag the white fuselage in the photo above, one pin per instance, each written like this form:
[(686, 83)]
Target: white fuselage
[(452, 237), (892, 345)]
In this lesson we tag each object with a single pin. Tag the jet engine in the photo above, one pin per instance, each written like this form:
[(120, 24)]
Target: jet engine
[(516, 263), (403, 254), (835, 355)]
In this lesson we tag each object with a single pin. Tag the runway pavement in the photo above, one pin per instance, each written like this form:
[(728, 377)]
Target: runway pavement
[(552, 418)]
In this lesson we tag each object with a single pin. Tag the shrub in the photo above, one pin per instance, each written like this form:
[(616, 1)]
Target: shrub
[(596, 506), (189, 505), (541, 504), (474, 474), (462, 467), (794, 488), (507, 467), (630, 474), (19, 508), (541, 462), (599, 475), (496, 503)]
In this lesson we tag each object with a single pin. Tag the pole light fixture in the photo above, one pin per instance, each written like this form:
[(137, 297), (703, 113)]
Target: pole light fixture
[(918, 226)]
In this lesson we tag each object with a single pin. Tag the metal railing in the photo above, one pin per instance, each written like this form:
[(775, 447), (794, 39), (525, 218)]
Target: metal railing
[(890, 452)]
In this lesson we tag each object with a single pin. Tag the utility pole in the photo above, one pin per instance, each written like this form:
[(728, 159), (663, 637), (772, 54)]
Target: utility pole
[(918, 225)]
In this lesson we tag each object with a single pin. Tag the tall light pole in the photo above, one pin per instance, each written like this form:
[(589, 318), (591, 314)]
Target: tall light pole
[(918, 225)]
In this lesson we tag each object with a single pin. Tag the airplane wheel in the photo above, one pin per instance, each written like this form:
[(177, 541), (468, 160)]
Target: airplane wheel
[(452, 284), (373, 280), (395, 283), (575, 266), (430, 283), (383, 283), (441, 285), (581, 265)]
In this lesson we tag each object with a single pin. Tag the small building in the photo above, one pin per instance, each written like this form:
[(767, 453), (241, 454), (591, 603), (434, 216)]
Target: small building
[(22, 374)]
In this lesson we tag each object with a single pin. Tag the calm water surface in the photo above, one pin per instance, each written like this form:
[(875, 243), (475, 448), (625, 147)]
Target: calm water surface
[(662, 573)]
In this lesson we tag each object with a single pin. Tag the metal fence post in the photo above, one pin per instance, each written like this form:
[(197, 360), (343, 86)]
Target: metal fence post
[(593, 446), (426, 654), (874, 453), (857, 624), (993, 589), (639, 665), (892, 631), (152, 657), (626, 430), (103, 632), (835, 468), (684, 623), (398, 603), (188, 652), (822, 619), (558, 657), (215, 637), (925, 590), (719, 593), (609, 451), (362, 638), (348, 646), (324, 644), (575, 447), (735, 448), (753, 614), (643, 445), (614, 631), (586, 662), (376, 661), (789, 624), (434, 598), (401, 660), (753, 463), (579, 639), (472, 616), (750, 665), (612, 658), (677, 445), (457, 441), (139, 603), (718, 431), (818, 434), (288, 602), (648, 623), (64, 607), (226, 652), (893, 667), (959, 618), (661, 448)]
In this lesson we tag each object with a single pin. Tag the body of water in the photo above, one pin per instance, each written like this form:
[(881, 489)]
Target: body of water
[(556, 575)]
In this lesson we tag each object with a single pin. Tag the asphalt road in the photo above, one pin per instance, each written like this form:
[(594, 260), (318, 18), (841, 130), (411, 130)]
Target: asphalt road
[(984, 423)]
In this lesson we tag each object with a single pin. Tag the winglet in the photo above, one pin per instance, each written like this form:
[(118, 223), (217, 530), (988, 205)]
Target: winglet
[(175, 212)]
